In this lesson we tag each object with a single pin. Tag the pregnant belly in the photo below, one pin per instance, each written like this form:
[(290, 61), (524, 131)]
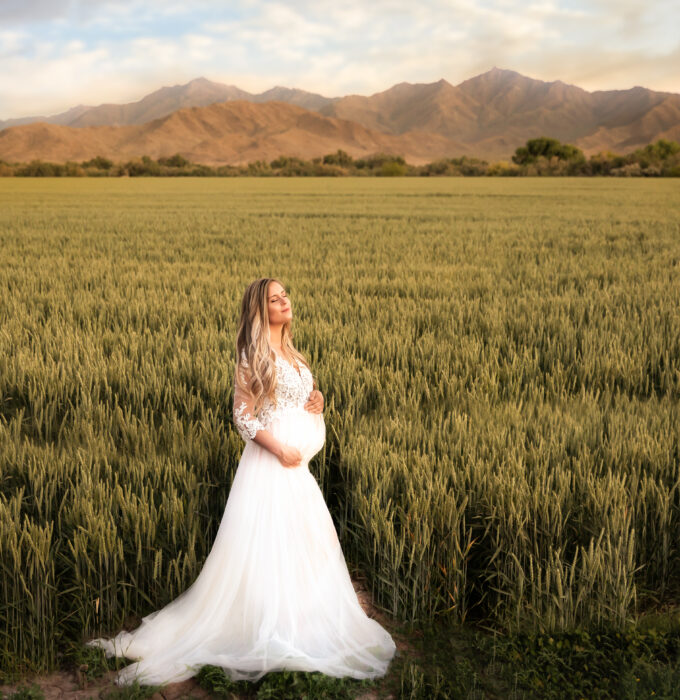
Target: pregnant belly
[(301, 429)]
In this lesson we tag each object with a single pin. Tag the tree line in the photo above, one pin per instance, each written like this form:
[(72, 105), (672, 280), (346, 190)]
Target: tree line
[(539, 156)]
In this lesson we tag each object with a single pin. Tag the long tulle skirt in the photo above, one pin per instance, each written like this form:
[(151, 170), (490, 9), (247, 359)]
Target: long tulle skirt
[(274, 592)]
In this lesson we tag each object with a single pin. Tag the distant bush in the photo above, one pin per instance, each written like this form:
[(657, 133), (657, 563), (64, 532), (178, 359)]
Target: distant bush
[(99, 162), (470, 166), (391, 168), (39, 168), (541, 156), (502, 167), (144, 166), (547, 148), (338, 158), (661, 150), (376, 161), (176, 161), (291, 165)]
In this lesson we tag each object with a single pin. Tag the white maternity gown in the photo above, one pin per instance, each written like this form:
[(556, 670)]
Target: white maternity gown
[(274, 592)]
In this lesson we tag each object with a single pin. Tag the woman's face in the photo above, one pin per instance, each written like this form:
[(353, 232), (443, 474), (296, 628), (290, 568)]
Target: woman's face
[(278, 304)]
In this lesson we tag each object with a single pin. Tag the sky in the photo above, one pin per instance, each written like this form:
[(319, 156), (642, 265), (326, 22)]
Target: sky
[(56, 54)]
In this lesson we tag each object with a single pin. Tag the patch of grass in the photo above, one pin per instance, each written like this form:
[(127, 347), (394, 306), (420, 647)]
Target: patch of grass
[(25, 692), (647, 680), (423, 683), (88, 662), (587, 664), (452, 662), (133, 692), (608, 663), (283, 685)]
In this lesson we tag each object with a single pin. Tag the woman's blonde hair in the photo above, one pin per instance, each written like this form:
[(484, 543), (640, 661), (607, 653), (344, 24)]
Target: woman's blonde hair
[(252, 339)]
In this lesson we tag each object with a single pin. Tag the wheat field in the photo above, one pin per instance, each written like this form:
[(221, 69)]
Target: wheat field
[(500, 361)]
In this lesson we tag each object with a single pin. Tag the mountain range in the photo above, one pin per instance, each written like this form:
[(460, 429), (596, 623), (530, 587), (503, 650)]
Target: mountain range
[(487, 116)]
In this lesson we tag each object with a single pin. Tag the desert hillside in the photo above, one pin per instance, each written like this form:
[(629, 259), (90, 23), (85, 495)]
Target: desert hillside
[(498, 111), (235, 132), (487, 116)]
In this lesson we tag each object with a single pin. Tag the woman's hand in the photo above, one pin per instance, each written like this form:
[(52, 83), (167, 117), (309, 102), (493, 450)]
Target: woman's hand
[(289, 456), (315, 402)]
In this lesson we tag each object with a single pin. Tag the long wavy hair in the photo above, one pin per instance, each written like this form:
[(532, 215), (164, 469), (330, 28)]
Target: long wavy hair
[(259, 379)]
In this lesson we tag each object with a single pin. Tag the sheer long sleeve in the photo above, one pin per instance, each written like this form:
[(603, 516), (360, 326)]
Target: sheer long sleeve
[(243, 414)]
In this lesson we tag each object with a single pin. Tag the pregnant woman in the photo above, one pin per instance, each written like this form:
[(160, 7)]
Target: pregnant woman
[(274, 592)]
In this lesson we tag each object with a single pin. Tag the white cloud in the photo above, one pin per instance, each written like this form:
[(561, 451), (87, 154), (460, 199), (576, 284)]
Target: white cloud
[(12, 41), (74, 46), (624, 69), (55, 55)]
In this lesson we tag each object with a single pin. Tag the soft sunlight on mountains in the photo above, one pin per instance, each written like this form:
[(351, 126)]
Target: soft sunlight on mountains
[(487, 116), (223, 133)]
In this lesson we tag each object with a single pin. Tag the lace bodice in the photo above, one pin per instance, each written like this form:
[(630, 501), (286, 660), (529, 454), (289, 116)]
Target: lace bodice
[(292, 391)]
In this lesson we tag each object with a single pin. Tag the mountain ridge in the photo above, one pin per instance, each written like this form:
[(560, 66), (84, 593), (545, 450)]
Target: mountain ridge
[(488, 115), (234, 133)]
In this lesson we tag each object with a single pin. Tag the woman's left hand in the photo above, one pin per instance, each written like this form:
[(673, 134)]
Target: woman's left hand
[(315, 402)]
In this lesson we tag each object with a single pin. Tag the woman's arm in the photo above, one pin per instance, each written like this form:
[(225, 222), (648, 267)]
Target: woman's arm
[(251, 428), (248, 426)]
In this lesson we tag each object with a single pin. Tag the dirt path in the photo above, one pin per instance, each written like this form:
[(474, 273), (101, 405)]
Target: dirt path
[(71, 685)]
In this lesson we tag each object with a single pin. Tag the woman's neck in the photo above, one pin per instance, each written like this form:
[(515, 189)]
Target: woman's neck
[(275, 340)]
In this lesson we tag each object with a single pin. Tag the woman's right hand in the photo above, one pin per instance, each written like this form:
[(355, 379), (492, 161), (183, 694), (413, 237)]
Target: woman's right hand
[(289, 456)]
